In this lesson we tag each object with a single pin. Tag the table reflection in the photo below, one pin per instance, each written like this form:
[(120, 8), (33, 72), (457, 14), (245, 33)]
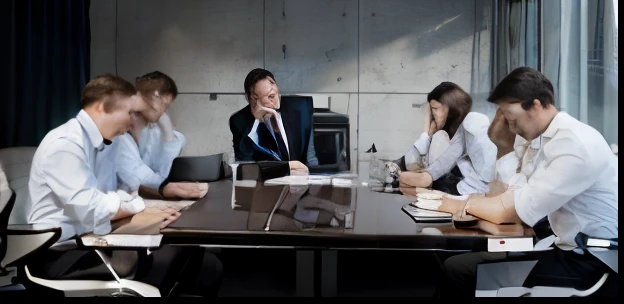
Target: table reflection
[(294, 207)]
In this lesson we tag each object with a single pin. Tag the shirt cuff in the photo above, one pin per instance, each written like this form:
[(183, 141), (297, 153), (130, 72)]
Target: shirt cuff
[(422, 143), (105, 209), (525, 212), (435, 172), (153, 181)]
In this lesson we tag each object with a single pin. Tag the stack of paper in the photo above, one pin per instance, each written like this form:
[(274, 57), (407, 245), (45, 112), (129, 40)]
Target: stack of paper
[(161, 204), (342, 182), (339, 180)]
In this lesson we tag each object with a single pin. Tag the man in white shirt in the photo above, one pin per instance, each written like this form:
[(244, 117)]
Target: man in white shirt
[(73, 185), (147, 151), (565, 171), (72, 180)]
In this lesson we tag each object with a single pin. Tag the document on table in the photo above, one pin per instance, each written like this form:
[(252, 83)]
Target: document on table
[(338, 180), (122, 240)]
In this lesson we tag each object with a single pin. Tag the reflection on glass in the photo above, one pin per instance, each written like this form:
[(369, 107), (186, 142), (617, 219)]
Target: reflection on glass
[(293, 206)]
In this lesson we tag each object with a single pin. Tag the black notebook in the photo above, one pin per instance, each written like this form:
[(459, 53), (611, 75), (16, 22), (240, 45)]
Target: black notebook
[(426, 216)]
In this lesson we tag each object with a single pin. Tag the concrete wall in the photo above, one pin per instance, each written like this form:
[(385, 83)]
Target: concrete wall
[(377, 60)]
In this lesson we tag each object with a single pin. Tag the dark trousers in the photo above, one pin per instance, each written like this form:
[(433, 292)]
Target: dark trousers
[(448, 182), (175, 271), (557, 268)]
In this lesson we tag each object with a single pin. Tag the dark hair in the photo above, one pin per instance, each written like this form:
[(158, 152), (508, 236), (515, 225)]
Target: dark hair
[(108, 88), (156, 81), (254, 77), (458, 102), (523, 85)]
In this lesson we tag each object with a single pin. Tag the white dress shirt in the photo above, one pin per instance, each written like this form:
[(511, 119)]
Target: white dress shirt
[(571, 178), (72, 180), (470, 149), (147, 163), (507, 166)]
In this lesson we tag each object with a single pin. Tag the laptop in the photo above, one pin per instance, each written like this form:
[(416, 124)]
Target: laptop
[(197, 169)]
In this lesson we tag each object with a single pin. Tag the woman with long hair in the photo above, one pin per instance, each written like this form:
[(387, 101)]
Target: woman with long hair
[(454, 154)]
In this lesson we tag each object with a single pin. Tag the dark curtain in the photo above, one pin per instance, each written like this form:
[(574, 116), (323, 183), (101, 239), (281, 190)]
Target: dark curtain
[(45, 65)]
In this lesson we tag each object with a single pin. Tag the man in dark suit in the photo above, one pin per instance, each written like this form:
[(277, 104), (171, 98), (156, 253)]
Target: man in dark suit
[(269, 130)]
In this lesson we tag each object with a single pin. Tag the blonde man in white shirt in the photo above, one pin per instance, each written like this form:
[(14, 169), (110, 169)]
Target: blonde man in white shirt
[(73, 185), (147, 151), (565, 171)]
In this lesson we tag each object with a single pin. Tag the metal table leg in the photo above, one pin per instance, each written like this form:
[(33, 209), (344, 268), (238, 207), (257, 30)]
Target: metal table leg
[(305, 273), (329, 273)]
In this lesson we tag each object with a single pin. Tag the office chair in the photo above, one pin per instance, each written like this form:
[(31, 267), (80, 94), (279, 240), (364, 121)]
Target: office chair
[(23, 243), (512, 274), (17, 245)]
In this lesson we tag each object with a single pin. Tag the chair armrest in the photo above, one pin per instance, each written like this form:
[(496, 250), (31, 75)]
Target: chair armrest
[(25, 241)]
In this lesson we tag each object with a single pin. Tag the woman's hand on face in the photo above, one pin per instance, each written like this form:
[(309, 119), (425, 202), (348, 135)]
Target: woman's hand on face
[(427, 117)]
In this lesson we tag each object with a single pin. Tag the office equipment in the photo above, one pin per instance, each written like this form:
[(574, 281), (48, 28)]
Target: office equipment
[(197, 169), (331, 141)]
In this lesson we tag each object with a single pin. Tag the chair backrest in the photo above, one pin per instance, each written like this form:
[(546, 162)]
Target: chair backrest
[(16, 163)]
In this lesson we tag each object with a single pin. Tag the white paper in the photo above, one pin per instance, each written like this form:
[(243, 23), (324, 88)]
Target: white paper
[(512, 244), (122, 240), (160, 204)]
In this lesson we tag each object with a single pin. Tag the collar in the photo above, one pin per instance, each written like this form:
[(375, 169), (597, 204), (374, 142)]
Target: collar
[(557, 122), (537, 143), (521, 143), (95, 137)]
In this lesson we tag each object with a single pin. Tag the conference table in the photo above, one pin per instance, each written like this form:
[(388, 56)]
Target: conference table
[(316, 219)]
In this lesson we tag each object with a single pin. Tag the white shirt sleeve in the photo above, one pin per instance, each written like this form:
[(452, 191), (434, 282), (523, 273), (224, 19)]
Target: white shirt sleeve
[(447, 161), (563, 174), (71, 179), (132, 172), (168, 152), (480, 149), (152, 169), (419, 148)]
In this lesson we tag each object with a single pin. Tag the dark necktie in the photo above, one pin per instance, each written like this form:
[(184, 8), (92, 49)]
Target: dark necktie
[(283, 151)]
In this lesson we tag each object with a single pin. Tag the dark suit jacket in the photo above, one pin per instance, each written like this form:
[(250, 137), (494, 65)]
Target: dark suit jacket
[(296, 112)]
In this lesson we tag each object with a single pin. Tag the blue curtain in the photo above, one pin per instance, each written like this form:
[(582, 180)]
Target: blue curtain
[(45, 65), (516, 36)]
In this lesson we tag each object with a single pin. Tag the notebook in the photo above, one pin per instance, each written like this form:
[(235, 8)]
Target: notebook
[(426, 216)]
